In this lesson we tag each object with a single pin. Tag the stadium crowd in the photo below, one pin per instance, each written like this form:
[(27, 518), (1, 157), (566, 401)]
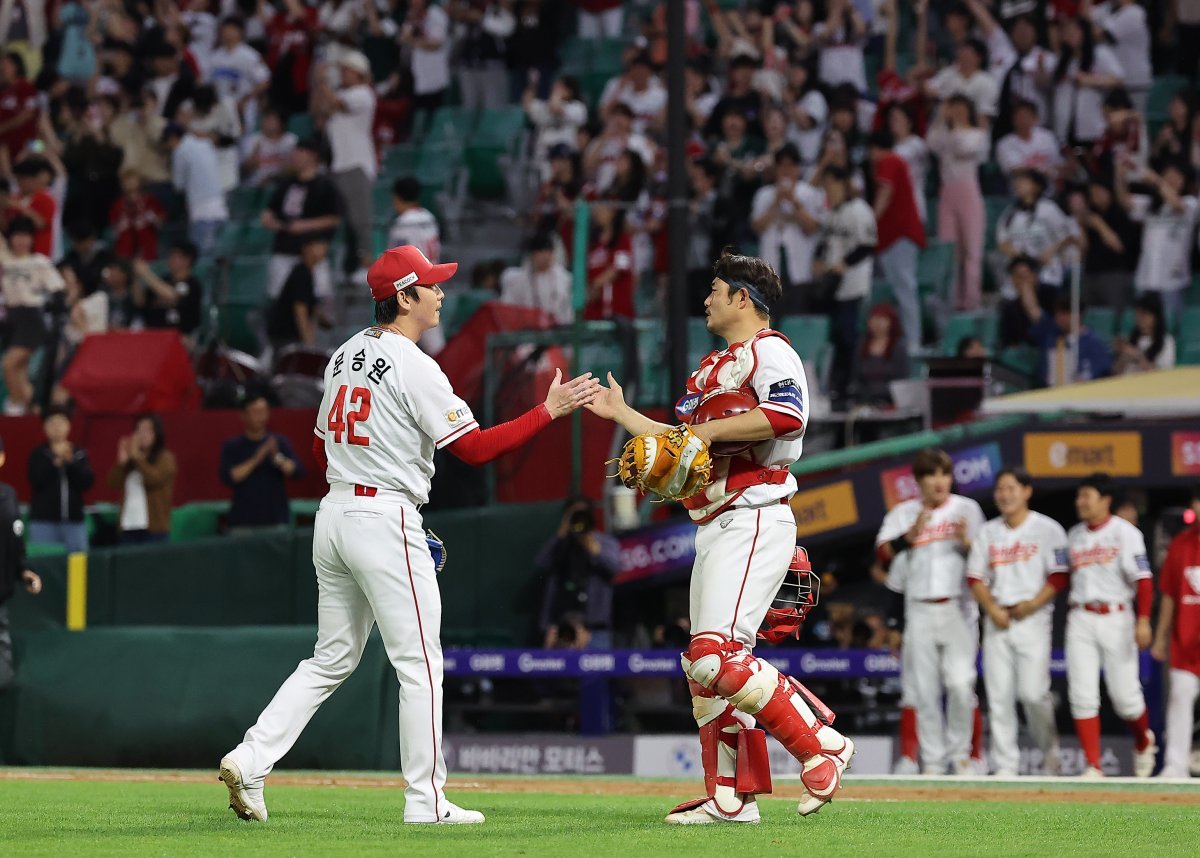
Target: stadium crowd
[(914, 164)]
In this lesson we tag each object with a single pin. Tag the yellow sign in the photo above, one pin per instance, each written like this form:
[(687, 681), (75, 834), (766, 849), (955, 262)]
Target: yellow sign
[(825, 508), (1078, 454)]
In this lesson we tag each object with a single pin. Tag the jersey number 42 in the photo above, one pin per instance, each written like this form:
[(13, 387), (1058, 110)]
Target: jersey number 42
[(344, 422)]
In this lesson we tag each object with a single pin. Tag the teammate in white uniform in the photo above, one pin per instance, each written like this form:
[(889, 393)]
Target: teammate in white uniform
[(744, 544), (935, 531), (1109, 568), (1018, 564), (387, 407)]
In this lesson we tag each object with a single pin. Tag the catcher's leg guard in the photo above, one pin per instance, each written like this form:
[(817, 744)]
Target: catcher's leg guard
[(732, 753)]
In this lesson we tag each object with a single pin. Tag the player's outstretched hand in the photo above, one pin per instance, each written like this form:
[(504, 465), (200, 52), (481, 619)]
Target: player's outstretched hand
[(562, 399), (609, 400)]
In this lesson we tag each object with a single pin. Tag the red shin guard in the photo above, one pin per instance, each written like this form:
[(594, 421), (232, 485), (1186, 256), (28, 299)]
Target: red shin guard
[(753, 762), (1089, 739), (909, 746)]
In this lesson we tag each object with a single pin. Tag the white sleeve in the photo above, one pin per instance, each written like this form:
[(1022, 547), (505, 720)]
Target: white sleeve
[(439, 412), (1055, 554), (1135, 564), (895, 523), (978, 567), (1006, 154), (1107, 62), (761, 202), (989, 95), (1123, 23), (357, 99), (973, 515), (779, 381)]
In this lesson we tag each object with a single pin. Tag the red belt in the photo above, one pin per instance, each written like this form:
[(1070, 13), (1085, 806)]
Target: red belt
[(1100, 607), (941, 601), (365, 491)]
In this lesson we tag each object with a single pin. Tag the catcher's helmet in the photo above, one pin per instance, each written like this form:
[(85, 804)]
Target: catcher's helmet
[(721, 404), (797, 596)]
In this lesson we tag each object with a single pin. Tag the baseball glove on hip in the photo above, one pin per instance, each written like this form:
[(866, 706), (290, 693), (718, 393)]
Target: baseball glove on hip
[(674, 464)]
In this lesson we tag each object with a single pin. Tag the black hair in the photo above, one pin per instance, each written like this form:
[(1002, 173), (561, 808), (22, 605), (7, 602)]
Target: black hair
[(1195, 493), (930, 461), (32, 167), (1118, 99), (188, 249), (160, 434), (56, 411), (837, 173), (972, 111), (233, 21), (732, 267), (788, 152), (1063, 304), (21, 225), (963, 344), (205, 97), (628, 190), (1018, 473), (388, 309), (574, 92), (1028, 261), (18, 61), (407, 188), (1151, 302), (980, 49), (881, 139), (621, 108), (252, 395), (539, 241), (80, 230), (1102, 483), (1087, 53)]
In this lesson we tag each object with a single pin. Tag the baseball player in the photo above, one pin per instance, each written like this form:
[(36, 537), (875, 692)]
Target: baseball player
[(744, 545), (387, 407), (934, 533), (1178, 637), (1018, 564), (1109, 568)]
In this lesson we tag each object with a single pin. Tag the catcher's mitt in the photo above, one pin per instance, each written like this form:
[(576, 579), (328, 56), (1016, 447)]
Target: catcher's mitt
[(674, 464)]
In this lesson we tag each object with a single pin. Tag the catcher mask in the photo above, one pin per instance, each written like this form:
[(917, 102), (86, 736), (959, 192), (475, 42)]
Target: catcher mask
[(797, 596)]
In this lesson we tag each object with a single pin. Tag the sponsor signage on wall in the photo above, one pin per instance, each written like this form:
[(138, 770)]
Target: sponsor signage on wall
[(974, 469), (1185, 454), (825, 508), (653, 551), (1078, 454), (537, 754)]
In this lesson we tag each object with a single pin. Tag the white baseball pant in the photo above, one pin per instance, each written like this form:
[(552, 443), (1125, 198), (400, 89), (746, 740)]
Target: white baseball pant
[(1181, 703), (1016, 667), (742, 557), (942, 650), (1096, 641), (373, 566)]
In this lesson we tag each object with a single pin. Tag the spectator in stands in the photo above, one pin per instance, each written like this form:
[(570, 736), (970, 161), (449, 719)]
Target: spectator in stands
[(1024, 67), (540, 282), (32, 200), (901, 235), (1125, 137), (1122, 23), (123, 310), (12, 570), (196, 173), (18, 105), (841, 37), (609, 266), (881, 360), (641, 91), (785, 215), (1148, 346), (137, 131), (600, 19), (172, 81), (961, 146), (255, 465), (707, 229), (848, 236), (600, 156), (87, 313), (426, 32), (269, 150), (92, 159), (135, 219), (533, 46), (1061, 360), (348, 113), (87, 255), (27, 280), (808, 109), (59, 474), (1033, 225), (414, 224), (293, 316), (483, 30), (175, 301), (1085, 72), (910, 146), (578, 566), (217, 120), (970, 347), (1029, 145), (1168, 211), (555, 120), (1015, 323), (145, 474), (969, 78), (1177, 139), (305, 205), (1111, 242), (740, 97), (238, 72), (554, 207)]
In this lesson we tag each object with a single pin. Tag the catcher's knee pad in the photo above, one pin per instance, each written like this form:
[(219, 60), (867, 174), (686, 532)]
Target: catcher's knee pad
[(705, 658)]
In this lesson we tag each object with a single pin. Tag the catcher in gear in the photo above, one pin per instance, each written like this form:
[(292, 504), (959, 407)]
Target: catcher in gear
[(743, 417)]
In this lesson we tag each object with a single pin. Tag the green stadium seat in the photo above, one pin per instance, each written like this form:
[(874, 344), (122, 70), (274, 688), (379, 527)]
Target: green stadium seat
[(451, 124), (247, 202), (1102, 321), (1187, 342), (809, 336), (655, 374), (1021, 358), (196, 520), (935, 269), (237, 326), (993, 207), (700, 340), (1163, 89), (499, 131), (400, 159), (301, 124), (248, 277)]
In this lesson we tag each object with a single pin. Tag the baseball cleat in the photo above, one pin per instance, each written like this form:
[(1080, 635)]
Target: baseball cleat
[(452, 815), (1143, 761), (704, 811), (906, 766), (246, 802), (1091, 773), (812, 803), (1004, 773)]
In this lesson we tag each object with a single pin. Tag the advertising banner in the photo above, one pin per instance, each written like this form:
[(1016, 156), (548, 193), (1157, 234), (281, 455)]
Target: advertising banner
[(654, 550), (1078, 454), (825, 508), (1185, 454), (975, 470), (539, 754)]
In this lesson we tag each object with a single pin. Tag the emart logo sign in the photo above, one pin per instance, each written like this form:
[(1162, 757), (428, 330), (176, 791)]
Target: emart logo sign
[(1078, 454)]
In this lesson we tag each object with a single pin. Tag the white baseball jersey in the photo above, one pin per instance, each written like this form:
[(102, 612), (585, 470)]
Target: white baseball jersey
[(936, 565), (1015, 562), (1107, 562), (387, 406)]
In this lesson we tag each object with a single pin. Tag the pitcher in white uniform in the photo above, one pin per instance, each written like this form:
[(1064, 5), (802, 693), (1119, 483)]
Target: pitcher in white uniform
[(387, 407), (934, 533), (1109, 570), (744, 545), (1018, 564)]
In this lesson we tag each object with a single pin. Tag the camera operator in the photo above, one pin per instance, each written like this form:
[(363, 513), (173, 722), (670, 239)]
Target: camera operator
[(578, 565)]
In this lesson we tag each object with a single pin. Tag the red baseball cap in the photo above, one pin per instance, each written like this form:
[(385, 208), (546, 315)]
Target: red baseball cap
[(403, 266)]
